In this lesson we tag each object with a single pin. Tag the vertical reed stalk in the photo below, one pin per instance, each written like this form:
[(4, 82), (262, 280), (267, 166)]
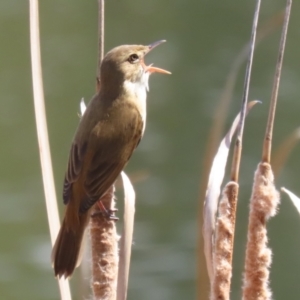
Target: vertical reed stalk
[(100, 39), (126, 238), (266, 155), (42, 133), (238, 144), (103, 232)]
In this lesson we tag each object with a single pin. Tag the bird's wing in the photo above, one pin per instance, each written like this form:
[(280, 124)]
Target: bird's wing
[(76, 156), (99, 180), (110, 158)]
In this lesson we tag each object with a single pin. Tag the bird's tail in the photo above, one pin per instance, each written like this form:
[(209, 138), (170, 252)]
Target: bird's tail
[(66, 253)]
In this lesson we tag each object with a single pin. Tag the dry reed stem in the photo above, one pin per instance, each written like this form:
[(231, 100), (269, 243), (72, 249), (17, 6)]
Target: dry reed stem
[(223, 250), (42, 133), (100, 40), (226, 222), (267, 146), (263, 205), (126, 238), (41, 123), (236, 159), (104, 251), (103, 232)]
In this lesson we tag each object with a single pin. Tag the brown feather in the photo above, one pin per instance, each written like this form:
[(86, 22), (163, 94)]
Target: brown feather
[(91, 171), (108, 133)]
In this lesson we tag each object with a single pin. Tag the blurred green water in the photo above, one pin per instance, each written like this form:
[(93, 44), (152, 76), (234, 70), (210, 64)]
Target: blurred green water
[(204, 38)]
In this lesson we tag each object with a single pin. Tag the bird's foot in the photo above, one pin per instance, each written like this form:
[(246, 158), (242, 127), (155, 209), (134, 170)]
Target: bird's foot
[(109, 214)]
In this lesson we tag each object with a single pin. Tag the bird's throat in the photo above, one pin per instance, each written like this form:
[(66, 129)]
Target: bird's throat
[(137, 93)]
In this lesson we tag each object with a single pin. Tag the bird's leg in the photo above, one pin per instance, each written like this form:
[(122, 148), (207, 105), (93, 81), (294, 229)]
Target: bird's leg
[(107, 213)]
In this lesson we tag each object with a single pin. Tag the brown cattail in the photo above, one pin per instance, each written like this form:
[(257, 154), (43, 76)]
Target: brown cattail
[(104, 252), (263, 205), (224, 237)]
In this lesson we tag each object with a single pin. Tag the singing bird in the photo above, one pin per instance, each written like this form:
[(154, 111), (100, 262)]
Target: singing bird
[(109, 131)]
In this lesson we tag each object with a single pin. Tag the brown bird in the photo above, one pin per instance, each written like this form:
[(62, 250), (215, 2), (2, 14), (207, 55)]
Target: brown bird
[(109, 131)]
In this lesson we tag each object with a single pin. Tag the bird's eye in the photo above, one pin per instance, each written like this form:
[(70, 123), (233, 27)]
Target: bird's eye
[(133, 58)]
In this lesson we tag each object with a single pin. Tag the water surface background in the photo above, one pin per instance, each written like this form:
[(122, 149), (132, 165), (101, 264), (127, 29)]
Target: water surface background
[(204, 37)]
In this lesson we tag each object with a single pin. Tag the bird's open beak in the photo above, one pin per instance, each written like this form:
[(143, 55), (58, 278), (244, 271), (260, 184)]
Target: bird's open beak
[(150, 68)]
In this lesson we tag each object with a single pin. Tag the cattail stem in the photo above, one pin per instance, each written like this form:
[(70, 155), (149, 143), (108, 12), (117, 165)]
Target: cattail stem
[(238, 144), (266, 155), (103, 232), (100, 40), (225, 226), (101, 32)]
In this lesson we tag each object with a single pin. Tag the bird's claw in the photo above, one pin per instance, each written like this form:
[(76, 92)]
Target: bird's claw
[(109, 214)]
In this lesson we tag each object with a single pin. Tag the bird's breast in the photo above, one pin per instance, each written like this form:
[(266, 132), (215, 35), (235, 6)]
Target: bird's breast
[(137, 92)]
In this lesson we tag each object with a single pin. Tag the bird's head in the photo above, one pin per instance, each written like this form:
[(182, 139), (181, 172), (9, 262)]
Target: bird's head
[(126, 63)]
